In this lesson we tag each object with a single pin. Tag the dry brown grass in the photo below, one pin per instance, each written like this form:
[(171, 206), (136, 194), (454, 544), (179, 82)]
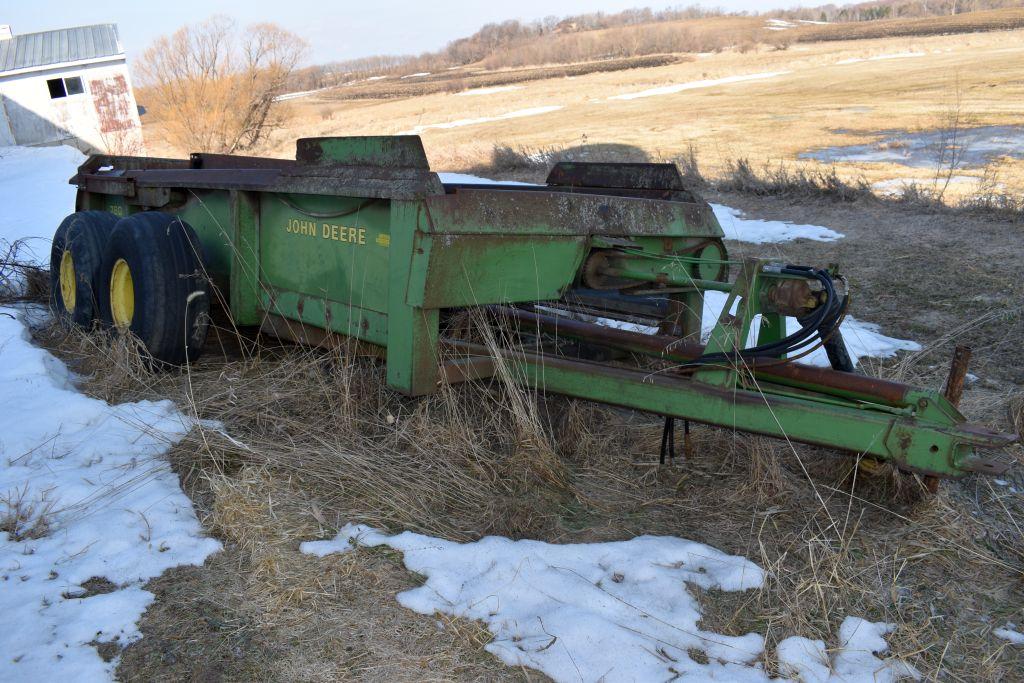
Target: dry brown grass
[(990, 20), (20, 278), (316, 441), (705, 34), (468, 78), (782, 179)]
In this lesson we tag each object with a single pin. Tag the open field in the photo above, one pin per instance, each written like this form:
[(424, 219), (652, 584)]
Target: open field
[(468, 79), (807, 97), (993, 20)]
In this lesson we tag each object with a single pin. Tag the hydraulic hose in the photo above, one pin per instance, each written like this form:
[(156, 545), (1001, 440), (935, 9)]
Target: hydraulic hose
[(814, 328)]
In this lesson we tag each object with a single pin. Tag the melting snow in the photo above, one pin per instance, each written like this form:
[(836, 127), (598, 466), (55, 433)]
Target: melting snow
[(532, 111), (760, 231), (1010, 633), (84, 489), (87, 494), (693, 85), (854, 662), (862, 338), (296, 95), (608, 611), (35, 194), (616, 611), (421, 74), (877, 58), (975, 147), (490, 91)]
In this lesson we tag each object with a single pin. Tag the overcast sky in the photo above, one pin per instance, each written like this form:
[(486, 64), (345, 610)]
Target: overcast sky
[(334, 29)]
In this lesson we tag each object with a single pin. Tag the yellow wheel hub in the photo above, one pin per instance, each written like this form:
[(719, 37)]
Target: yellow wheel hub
[(68, 287), (122, 294)]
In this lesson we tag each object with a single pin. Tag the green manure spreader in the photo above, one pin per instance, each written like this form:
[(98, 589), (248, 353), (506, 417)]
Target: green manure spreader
[(357, 238)]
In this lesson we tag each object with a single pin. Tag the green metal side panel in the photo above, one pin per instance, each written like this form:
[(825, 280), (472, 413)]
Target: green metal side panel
[(412, 358), (108, 202), (468, 270), (339, 318), (209, 214), (334, 248), (245, 266), (914, 444), (381, 151)]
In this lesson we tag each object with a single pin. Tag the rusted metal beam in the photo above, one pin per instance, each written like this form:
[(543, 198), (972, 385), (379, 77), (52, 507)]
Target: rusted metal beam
[(673, 349), (954, 390), (466, 369)]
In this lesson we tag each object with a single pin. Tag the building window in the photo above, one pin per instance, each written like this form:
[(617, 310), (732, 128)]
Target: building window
[(74, 85), (56, 86), (62, 87)]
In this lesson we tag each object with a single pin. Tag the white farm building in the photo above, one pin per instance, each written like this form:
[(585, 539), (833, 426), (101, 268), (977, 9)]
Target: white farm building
[(68, 86)]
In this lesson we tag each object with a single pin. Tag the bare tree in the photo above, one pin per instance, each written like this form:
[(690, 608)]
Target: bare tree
[(213, 87), (952, 144)]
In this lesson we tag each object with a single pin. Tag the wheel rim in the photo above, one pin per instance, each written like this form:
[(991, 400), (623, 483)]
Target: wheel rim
[(122, 294), (68, 286)]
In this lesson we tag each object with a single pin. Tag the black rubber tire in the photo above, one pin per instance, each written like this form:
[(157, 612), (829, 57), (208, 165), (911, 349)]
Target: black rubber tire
[(85, 235), (171, 289)]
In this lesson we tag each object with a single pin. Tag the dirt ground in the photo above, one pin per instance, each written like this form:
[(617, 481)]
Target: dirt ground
[(947, 569)]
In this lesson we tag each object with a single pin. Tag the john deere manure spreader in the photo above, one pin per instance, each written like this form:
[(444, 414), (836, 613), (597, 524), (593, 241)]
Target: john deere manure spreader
[(358, 238)]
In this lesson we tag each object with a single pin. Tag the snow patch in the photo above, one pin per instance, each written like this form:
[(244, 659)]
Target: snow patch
[(87, 494), (693, 85), (759, 231), (489, 91), (520, 113), (35, 195), (878, 58), (615, 611), (854, 661), (863, 339), (976, 147), (1010, 633), (421, 74), (296, 95), (594, 611)]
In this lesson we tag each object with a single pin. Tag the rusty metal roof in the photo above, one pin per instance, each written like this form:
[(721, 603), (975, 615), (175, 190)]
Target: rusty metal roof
[(31, 50)]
